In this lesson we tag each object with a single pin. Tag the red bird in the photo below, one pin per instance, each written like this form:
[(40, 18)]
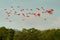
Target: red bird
[(38, 14), (49, 11)]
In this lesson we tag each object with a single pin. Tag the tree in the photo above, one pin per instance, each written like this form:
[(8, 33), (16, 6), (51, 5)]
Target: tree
[(10, 34), (3, 33)]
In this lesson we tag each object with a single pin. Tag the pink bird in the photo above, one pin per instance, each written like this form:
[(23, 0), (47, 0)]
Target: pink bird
[(37, 8)]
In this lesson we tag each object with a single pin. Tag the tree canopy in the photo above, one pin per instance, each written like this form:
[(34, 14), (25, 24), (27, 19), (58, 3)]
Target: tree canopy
[(29, 34)]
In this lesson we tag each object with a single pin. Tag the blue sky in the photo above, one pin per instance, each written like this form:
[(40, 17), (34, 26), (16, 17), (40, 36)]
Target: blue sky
[(53, 21)]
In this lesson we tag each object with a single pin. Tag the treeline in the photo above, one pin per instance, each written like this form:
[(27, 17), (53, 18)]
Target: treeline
[(29, 34)]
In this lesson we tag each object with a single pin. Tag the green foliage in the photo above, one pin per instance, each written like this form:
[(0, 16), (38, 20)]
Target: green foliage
[(10, 34), (3, 33), (29, 34)]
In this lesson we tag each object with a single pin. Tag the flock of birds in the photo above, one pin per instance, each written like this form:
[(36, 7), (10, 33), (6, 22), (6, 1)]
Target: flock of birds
[(29, 11)]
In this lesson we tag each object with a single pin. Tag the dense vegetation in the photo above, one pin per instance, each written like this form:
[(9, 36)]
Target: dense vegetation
[(29, 34)]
